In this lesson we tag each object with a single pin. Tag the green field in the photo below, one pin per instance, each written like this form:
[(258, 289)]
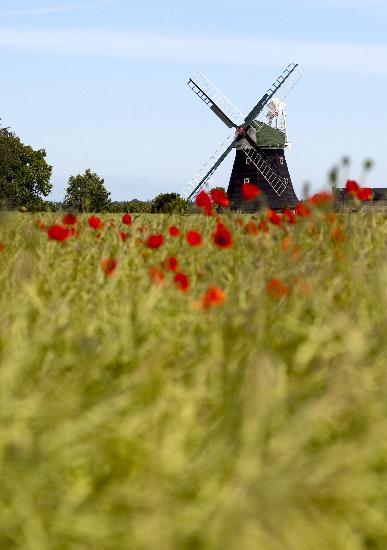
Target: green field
[(134, 415)]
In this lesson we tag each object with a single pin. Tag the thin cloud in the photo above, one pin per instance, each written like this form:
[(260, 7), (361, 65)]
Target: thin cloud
[(334, 56), (48, 10)]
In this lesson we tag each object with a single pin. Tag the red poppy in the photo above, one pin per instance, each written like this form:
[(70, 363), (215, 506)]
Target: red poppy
[(222, 237), (108, 266), (174, 231), (252, 228), (365, 194), (194, 238), (170, 264), (277, 289), (250, 191), (262, 226), (213, 297), (338, 235), (1, 247), (95, 222), (320, 198), (181, 281), (70, 219), (352, 186), (155, 241), (273, 217), (124, 235), (302, 210), (58, 232), (127, 219), (219, 196), (73, 232), (41, 224), (289, 215), (156, 276), (203, 200)]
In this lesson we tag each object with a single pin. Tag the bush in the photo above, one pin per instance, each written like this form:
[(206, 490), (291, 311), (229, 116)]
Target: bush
[(169, 203)]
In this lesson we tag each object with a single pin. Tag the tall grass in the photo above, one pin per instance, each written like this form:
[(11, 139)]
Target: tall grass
[(132, 418)]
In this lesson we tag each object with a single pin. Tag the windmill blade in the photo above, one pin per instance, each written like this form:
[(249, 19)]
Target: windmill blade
[(286, 81), (217, 102), (254, 153), (196, 183)]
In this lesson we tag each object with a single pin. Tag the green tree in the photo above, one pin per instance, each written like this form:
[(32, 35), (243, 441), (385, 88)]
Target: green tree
[(168, 203), (24, 173), (87, 193)]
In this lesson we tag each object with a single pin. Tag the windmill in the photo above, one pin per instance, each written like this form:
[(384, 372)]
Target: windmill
[(260, 146)]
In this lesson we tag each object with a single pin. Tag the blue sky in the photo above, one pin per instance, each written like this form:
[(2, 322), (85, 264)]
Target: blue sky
[(102, 84)]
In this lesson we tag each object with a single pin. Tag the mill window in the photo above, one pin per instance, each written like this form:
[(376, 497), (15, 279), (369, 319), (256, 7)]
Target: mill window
[(281, 159), (248, 160)]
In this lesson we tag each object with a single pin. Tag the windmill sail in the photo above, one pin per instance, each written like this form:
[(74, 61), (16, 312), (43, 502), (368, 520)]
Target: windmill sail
[(285, 81), (218, 102), (204, 174)]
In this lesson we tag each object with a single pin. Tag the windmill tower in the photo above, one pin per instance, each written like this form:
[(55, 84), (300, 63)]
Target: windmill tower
[(260, 146)]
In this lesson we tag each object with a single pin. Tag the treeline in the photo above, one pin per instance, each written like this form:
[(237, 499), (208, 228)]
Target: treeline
[(25, 183)]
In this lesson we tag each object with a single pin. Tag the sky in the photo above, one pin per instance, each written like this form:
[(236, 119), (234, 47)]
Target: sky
[(102, 85)]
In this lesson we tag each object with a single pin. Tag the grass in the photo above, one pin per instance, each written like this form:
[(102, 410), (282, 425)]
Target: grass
[(132, 418)]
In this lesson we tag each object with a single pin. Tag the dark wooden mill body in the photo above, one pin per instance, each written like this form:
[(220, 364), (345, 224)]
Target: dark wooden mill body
[(260, 148), (272, 143)]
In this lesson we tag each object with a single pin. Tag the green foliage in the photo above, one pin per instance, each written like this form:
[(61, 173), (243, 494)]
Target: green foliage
[(132, 419), (168, 203), (24, 173), (87, 193), (134, 206)]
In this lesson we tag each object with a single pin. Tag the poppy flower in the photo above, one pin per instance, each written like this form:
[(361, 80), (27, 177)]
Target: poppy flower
[(239, 221), (127, 219), (286, 243), (194, 238), (352, 186), (219, 196), (273, 217), (250, 191), (156, 276), (277, 289), (338, 235), (289, 216), (320, 198), (181, 281), (1, 247), (70, 219), (170, 264), (155, 241), (174, 231), (302, 210), (108, 266), (262, 226), (365, 194), (73, 232), (41, 225), (252, 228), (222, 237), (95, 222), (203, 200), (58, 232), (213, 297), (124, 235)]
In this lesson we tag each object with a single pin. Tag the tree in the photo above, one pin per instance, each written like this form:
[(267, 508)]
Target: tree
[(168, 203), (87, 193), (24, 172)]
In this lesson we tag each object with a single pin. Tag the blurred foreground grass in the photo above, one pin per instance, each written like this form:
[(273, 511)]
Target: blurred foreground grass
[(132, 419)]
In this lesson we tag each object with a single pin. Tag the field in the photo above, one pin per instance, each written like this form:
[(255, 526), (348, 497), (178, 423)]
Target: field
[(240, 405)]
